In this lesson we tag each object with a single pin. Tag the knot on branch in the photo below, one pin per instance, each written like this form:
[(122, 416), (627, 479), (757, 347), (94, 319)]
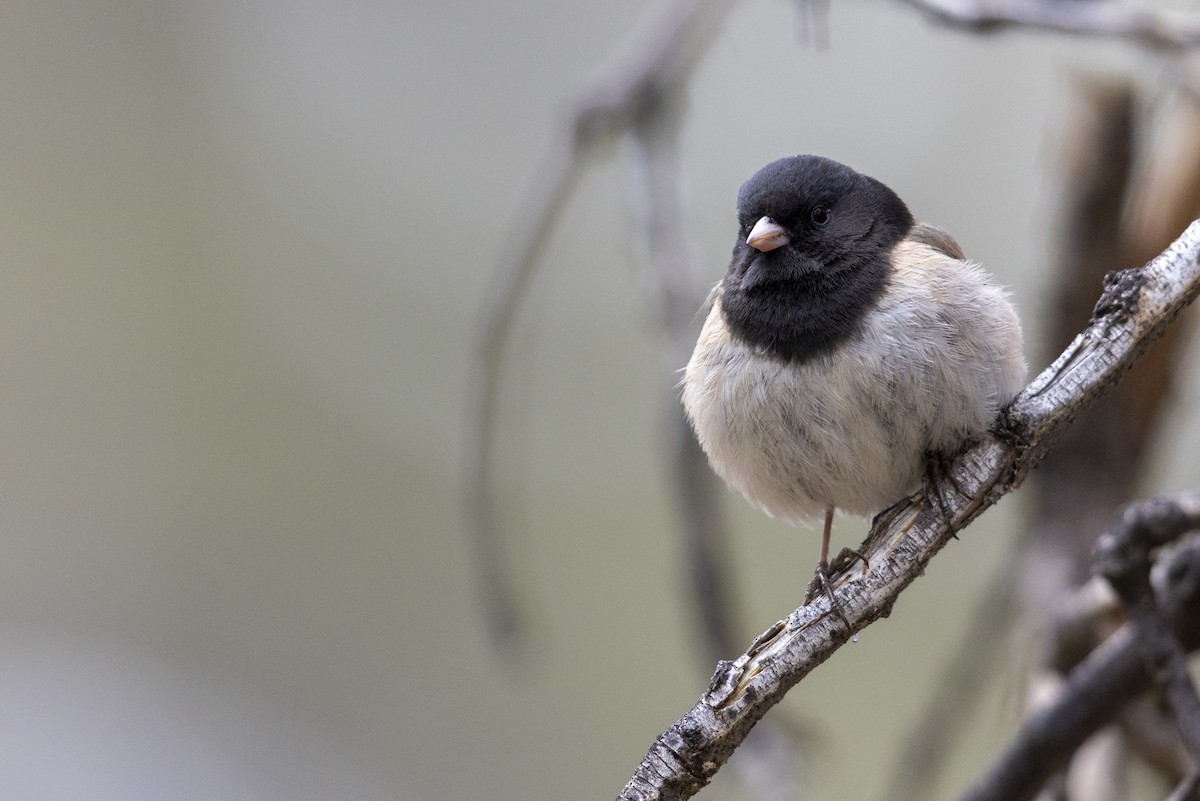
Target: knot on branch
[(1181, 593), (724, 682), (1123, 553), (1122, 288)]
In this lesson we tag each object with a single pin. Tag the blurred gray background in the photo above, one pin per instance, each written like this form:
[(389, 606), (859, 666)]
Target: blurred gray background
[(243, 246)]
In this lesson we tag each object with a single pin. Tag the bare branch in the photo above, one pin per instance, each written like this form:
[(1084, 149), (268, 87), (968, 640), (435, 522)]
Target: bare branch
[(1157, 31), (1135, 308), (1123, 556)]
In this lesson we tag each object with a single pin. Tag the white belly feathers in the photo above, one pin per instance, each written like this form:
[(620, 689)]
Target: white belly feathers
[(858, 420)]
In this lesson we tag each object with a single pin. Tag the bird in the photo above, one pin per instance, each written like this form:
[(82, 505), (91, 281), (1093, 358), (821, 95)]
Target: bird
[(847, 350)]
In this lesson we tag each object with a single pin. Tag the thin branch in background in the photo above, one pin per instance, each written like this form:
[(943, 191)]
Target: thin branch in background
[(1136, 306), (1119, 209), (675, 287), (1164, 32), (812, 22), (769, 766)]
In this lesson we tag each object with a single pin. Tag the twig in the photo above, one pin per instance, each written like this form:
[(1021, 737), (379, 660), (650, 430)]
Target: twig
[(1111, 676), (1170, 33), (1123, 556), (1135, 308)]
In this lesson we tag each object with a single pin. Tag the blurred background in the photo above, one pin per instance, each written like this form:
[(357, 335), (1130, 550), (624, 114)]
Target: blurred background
[(243, 250)]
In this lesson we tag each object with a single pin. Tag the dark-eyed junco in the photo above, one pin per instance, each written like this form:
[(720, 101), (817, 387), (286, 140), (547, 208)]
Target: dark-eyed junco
[(846, 343)]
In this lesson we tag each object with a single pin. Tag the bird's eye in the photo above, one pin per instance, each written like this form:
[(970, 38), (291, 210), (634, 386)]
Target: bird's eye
[(819, 215)]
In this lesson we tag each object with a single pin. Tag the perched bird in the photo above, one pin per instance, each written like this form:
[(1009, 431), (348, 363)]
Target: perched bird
[(846, 344)]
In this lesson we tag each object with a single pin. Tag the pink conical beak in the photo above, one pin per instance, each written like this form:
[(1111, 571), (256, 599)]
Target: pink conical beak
[(766, 235)]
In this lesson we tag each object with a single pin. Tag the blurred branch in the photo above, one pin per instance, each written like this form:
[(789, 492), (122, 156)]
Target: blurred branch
[(1123, 556), (555, 181), (1135, 308), (1108, 679), (623, 93), (675, 289), (1117, 672), (1119, 209), (1157, 31), (1097, 464)]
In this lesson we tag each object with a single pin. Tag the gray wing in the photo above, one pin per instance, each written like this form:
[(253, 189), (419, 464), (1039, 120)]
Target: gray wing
[(937, 239)]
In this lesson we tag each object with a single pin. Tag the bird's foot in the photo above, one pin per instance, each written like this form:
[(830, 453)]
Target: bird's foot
[(846, 559), (822, 581), (838, 566), (938, 474), (1012, 428)]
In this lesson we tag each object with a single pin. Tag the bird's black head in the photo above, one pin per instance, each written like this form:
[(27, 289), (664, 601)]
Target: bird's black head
[(812, 255)]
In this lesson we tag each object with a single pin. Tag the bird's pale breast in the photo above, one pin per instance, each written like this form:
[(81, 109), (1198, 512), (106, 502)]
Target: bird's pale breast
[(930, 366)]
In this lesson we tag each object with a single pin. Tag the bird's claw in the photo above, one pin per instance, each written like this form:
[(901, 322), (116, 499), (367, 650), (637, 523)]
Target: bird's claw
[(822, 581)]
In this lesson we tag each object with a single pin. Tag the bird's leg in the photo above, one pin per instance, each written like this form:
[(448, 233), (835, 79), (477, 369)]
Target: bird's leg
[(821, 580)]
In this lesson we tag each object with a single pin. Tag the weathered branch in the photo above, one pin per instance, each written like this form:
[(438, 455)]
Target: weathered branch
[(1134, 309)]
